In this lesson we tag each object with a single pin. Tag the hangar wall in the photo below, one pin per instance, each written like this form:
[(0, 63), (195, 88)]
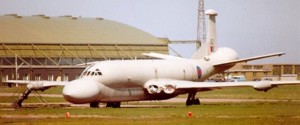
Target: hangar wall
[(47, 48)]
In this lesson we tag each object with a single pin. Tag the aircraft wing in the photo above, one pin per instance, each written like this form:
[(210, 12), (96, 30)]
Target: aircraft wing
[(38, 84), (169, 86), (161, 56), (249, 59)]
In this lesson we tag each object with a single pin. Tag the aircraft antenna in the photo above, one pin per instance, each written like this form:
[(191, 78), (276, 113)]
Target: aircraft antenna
[(201, 30)]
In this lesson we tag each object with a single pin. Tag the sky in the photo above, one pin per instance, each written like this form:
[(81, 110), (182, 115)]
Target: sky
[(251, 27)]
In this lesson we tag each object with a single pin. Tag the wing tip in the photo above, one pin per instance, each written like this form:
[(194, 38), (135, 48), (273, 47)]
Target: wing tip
[(281, 53)]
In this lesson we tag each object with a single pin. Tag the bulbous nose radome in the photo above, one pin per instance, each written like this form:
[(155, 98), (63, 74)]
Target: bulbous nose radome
[(81, 91)]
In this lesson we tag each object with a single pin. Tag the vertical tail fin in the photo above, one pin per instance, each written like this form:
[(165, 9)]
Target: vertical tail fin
[(210, 45)]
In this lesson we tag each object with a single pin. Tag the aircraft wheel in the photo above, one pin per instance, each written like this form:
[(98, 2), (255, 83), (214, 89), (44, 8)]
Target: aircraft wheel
[(196, 101), (109, 104), (116, 105), (113, 104), (94, 104), (189, 102)]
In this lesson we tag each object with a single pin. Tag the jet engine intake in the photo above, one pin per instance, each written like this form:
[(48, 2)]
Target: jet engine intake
[(263, 86), (156, 87), (169, 89)]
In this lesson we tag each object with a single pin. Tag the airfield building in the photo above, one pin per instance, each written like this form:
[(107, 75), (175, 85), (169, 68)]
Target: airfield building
[(46, 48), (253, 72)]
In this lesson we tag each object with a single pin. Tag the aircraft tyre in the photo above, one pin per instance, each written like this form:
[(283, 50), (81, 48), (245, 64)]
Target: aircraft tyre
[(113, 104), (188, 103), (196, 101), (94, 104), (191, 100)]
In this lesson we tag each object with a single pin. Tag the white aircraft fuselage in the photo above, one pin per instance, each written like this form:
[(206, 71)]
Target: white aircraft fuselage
[(126, 80)]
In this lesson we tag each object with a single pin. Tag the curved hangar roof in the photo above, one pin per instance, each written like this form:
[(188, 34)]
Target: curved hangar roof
[(70, 30)]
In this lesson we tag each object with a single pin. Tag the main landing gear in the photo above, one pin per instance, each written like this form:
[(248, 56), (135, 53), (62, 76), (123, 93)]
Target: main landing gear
[(192, 100)]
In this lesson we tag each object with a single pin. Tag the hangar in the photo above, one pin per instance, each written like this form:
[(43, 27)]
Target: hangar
[(46, 48)]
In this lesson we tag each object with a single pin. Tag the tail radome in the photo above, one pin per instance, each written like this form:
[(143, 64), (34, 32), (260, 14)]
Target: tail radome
[(210, 45)]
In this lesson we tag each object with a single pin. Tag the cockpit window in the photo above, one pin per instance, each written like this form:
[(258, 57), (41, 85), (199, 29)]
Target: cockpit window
[(89, 71), (84, 74), (97, 72)]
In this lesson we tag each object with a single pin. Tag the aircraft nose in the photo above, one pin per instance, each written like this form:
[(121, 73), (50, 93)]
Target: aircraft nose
[(81, 91)]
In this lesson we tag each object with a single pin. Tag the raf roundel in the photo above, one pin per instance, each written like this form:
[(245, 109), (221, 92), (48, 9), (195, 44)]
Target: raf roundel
[(199, 72)]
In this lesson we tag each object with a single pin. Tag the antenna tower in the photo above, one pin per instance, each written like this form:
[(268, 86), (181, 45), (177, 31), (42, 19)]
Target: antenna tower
[(201, 30)]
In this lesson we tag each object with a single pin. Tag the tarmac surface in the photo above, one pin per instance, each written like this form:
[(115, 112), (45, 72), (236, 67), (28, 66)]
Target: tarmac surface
[(136, 103)]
